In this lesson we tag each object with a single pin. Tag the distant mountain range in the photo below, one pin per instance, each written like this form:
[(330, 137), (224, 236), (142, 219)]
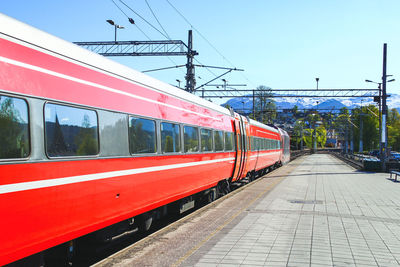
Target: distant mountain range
[(324, 104)]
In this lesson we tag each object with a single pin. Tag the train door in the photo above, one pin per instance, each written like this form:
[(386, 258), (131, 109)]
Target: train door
[(238, 160), (245, 128), (241, 133)]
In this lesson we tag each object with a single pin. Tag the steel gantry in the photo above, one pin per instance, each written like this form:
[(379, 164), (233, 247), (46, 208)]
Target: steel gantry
[(137, 48), (149, 48), (276, 93)]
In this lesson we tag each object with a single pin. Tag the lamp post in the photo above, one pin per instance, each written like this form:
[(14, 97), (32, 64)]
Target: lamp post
[(360, 148), (317, 79), (116, 26), (225, 81), (179, 83), (382, 124)]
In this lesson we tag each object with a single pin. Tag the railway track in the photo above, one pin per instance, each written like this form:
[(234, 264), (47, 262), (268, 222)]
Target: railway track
[(92, 253), (354, 163)]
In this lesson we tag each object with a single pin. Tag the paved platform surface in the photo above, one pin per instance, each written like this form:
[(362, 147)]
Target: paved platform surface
[(317, 211)]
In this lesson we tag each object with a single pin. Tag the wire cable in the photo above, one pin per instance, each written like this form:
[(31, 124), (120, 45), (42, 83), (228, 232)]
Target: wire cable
[(202, 36), (154, 15), (170, 59), (137, 14), (128, 18)]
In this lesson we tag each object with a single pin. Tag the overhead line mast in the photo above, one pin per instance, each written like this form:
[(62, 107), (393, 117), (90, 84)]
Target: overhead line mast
[(149, 48)]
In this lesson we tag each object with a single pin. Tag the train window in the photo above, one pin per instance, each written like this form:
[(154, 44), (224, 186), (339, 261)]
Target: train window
[(170, 138), (219, 140), (239, 141), (229, 143), (14, 128), (142, 136), (70, 131), (206, 140), (191, 139)]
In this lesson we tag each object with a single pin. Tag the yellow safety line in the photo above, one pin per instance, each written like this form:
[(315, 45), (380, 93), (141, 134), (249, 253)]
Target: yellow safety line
[(194, 249)]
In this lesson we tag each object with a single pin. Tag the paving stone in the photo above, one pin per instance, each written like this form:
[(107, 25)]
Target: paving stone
[(324, 213)]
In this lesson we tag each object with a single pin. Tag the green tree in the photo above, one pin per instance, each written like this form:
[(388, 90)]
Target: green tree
[(394, 129), (341, 123), (86, 140), (370, 127), (298, 133), (13, 130), (169, 144), (265, 107)]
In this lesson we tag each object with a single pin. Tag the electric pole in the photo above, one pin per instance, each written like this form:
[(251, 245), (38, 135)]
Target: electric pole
[(384, 109), (190, 78)]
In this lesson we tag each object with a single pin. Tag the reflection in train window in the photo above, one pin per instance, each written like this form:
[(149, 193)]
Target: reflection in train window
[(206, 140), (191, 139), (229, 143), (142, 135), (70, 131), (219, 140), (170, 138), (14, 128)]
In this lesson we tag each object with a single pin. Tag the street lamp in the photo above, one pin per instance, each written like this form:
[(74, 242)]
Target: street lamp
[(382, 123), (116, 26), (225, 81), (317, 79)]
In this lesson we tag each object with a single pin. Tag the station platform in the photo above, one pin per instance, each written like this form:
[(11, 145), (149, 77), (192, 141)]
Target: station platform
[(315, 211)]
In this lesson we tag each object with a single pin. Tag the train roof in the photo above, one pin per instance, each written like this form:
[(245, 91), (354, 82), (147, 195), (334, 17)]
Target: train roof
[(266, 127), (28, 35)]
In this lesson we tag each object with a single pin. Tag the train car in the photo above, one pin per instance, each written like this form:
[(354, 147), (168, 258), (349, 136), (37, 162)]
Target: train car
[(285, 146), (265, 147), (89, 144)]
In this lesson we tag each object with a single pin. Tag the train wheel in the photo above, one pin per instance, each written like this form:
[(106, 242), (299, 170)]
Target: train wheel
[(144, 221), (252, 176), (212, 195), (223, 188)]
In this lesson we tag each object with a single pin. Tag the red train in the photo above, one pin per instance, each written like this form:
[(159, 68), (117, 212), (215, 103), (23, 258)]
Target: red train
[(86, 143)]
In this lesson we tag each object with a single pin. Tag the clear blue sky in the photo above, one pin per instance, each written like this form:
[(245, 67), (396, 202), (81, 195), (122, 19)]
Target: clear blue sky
[(280, 44)]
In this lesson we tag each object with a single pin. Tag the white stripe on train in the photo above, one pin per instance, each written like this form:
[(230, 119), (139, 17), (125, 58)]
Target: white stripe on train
[(70, 78), (17, 187)]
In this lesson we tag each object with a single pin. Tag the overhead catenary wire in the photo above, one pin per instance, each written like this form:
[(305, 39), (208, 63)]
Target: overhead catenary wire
[(154, 15), (137, 14), (128, 18), (207, 41), (201, 35), (170, 59), (165, 34)]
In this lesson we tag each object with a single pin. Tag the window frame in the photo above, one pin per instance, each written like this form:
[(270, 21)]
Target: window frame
[(26, 100), (155, 133), (212, 140), (180, 137), (232, 141), (183, 137), (223, 140), (72, 106)]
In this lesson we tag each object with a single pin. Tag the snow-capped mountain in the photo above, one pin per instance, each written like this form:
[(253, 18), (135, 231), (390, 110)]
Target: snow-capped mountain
[(324, 104)]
